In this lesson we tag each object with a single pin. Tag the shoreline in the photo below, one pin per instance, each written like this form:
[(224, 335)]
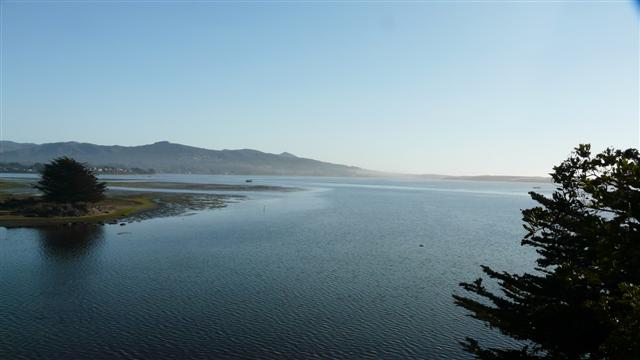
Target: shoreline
[(129, 208), (161, 185), (121, 209), (124, 206)]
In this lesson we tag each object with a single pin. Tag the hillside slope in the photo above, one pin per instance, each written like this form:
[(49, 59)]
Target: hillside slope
[(166, 157)]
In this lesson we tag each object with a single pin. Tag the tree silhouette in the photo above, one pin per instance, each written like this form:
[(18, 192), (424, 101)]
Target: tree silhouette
[(583, 301), (66, 180)]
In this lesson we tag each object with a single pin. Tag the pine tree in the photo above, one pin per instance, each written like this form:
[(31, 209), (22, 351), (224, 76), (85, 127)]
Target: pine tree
[(66, 180), (583, 301)]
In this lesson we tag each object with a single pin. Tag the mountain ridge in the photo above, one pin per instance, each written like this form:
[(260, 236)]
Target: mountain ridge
[(168, 157)]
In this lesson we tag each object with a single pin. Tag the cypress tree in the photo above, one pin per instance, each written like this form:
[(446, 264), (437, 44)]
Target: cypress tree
[(65, 180), (583, 300)]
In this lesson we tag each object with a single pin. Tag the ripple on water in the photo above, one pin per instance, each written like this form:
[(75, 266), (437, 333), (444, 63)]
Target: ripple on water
[(332, 273)]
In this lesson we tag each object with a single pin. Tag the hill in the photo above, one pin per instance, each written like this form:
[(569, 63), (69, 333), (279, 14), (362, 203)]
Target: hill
[(166, 157)]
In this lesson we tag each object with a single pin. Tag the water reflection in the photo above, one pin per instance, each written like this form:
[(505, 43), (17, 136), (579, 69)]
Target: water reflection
[(70, 242), (335, 273)]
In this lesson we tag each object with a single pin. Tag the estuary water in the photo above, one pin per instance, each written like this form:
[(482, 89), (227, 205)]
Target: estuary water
[(347, 268)]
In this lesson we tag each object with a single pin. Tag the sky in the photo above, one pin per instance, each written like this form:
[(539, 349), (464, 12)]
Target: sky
[(460, 88)]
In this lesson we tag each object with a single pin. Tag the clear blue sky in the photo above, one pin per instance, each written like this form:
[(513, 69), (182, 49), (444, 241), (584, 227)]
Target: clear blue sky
[(421, 87)]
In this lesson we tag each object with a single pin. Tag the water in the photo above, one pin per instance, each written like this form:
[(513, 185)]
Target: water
[(336, 271)]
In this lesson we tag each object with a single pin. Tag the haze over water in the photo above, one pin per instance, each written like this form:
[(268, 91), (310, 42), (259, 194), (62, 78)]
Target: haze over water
[(336, 271), (457, 88)]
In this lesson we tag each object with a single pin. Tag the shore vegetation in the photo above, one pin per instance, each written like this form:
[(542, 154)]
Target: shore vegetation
[(583, 300)]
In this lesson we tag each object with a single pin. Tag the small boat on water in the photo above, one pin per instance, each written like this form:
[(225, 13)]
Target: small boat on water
[(248, 180)]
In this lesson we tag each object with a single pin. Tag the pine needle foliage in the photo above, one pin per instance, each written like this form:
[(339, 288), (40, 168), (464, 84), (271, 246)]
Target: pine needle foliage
[(583, 302), (65, 180)]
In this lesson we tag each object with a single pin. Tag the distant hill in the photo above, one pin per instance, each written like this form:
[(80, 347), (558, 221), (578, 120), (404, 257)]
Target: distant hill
[(499, 178), (6, 146), (529, 179), (166, 157)]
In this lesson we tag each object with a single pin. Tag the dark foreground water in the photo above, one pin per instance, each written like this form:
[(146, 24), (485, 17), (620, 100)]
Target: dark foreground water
[(333, 272)]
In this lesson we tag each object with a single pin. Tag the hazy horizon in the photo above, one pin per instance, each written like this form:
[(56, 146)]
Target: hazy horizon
[(381, 171), (419, 88)]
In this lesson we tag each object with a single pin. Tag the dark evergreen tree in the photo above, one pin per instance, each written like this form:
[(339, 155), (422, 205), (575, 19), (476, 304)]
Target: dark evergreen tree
[(583, 301), (66, 180)]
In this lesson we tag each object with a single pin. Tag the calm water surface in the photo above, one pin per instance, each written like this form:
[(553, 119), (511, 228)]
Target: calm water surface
[(336, 271)]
